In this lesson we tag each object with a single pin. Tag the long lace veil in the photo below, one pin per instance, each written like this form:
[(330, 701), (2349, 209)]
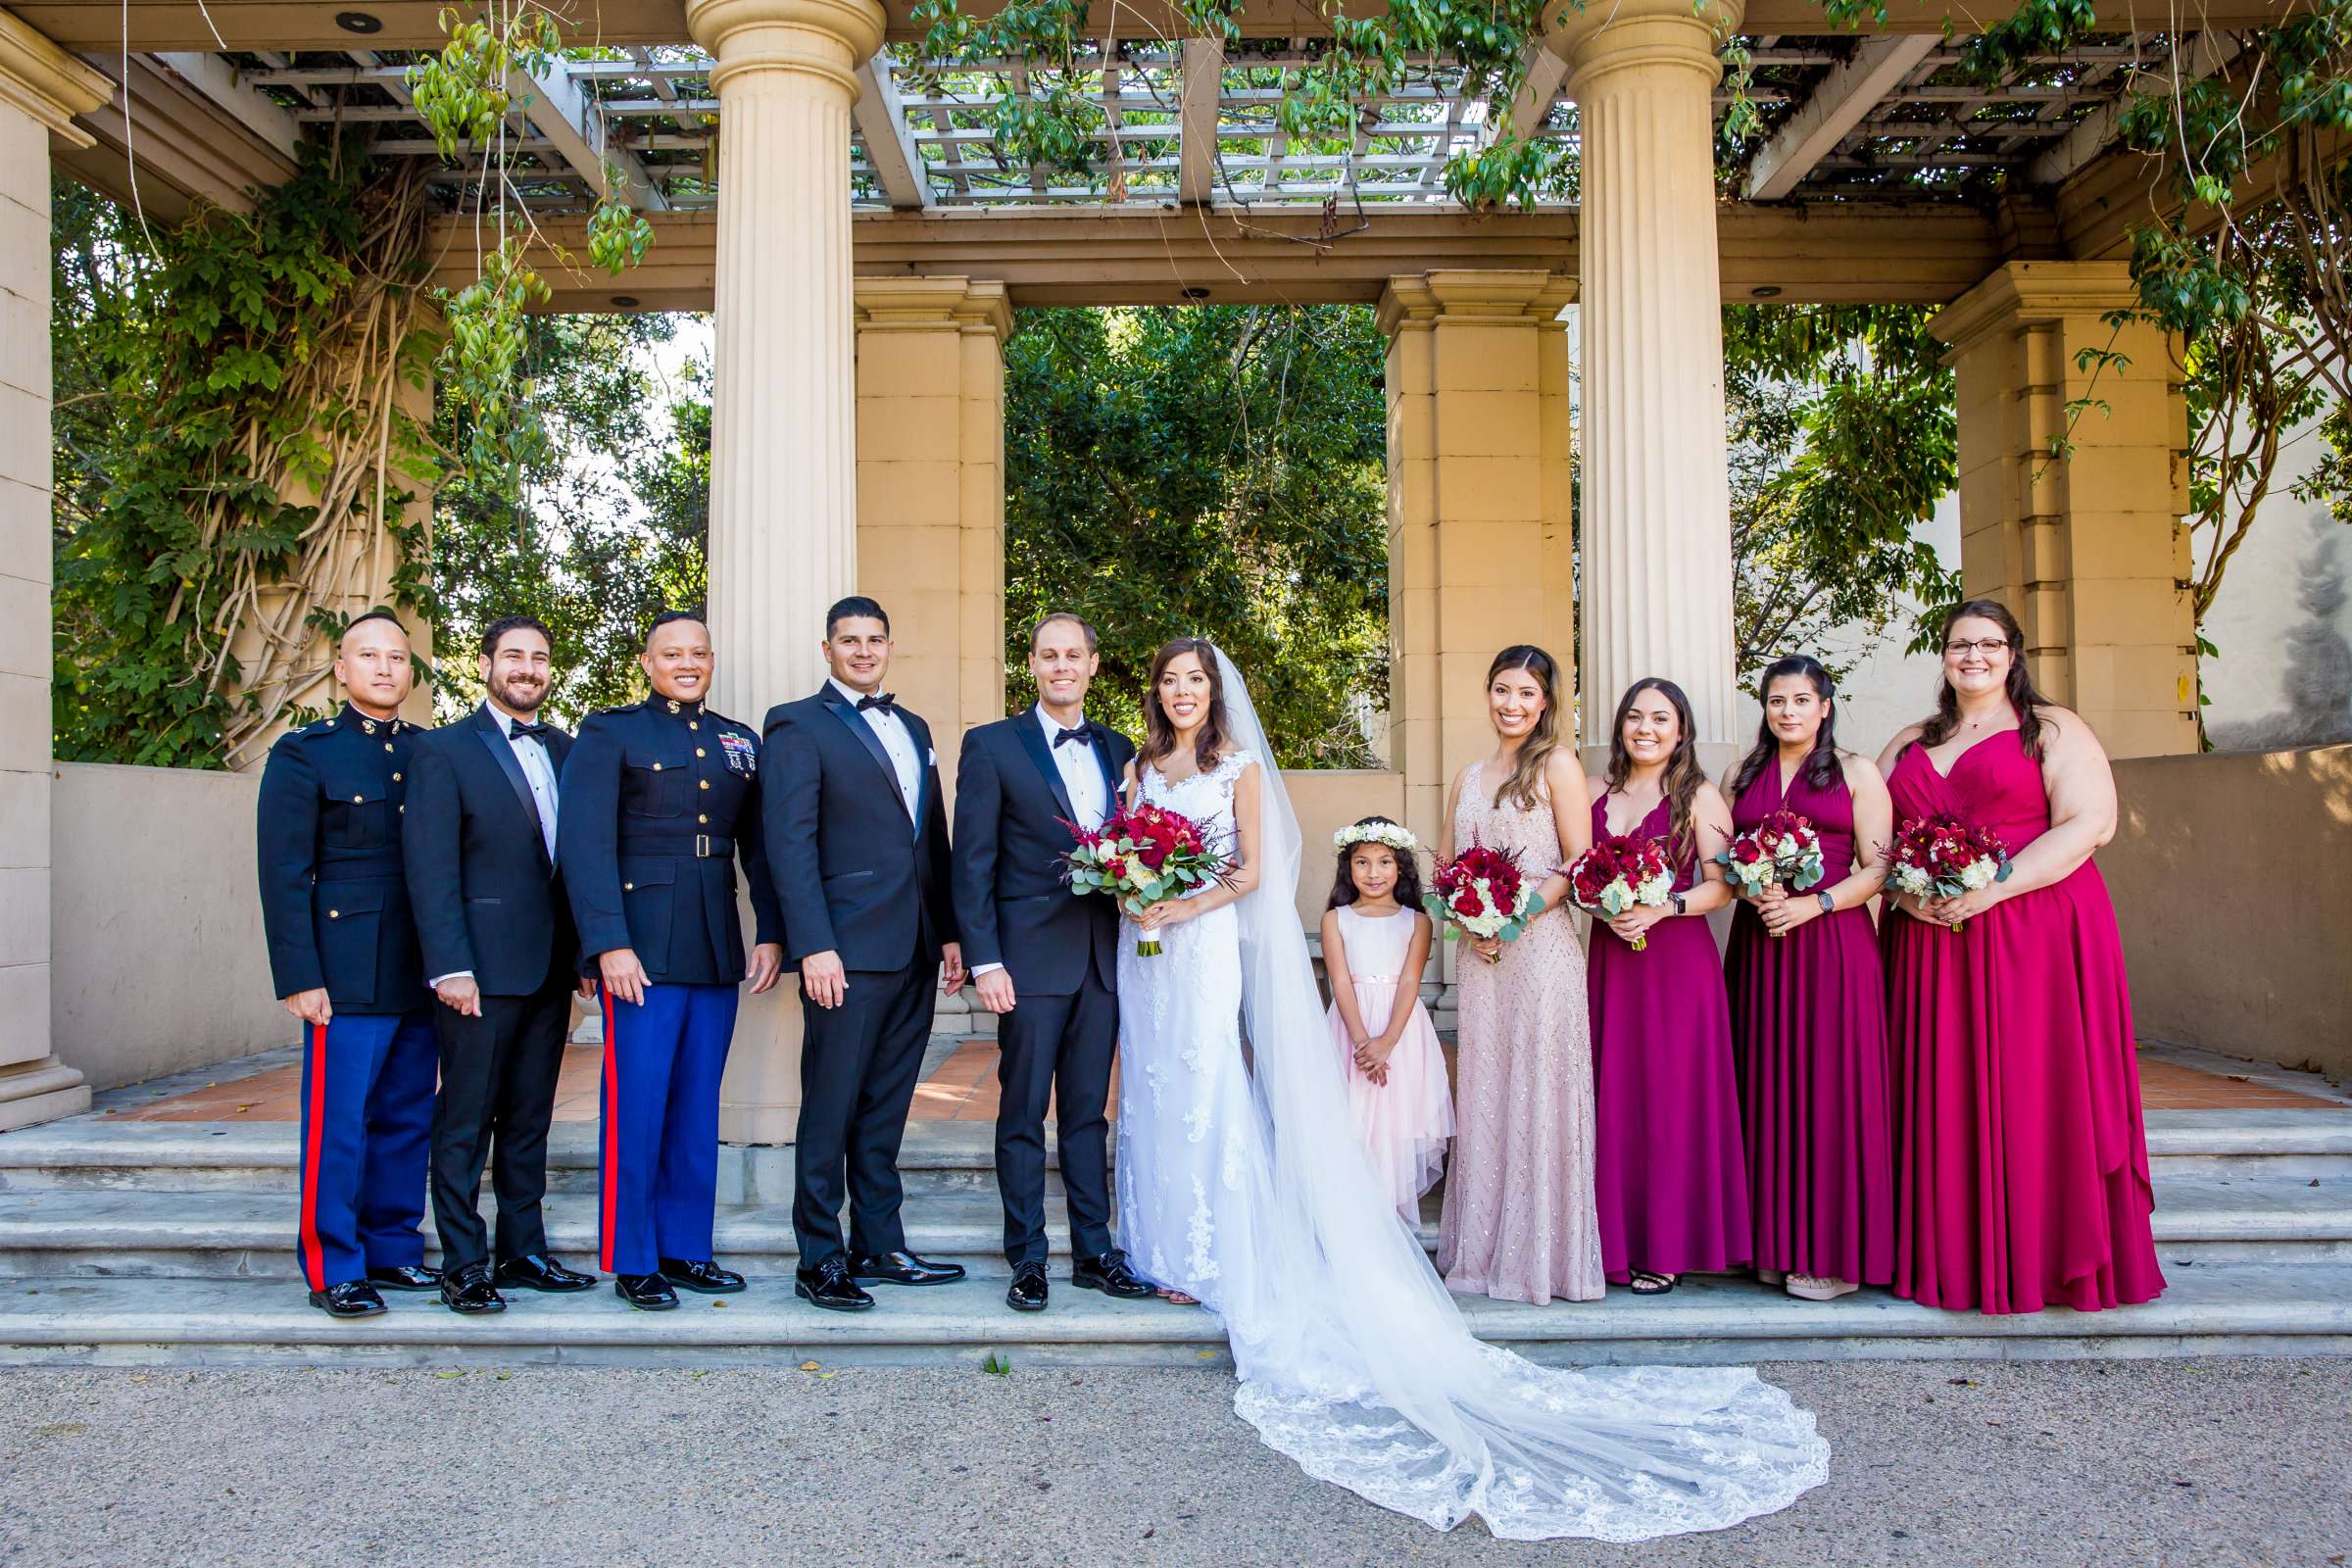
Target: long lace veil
[(1354, 1359)]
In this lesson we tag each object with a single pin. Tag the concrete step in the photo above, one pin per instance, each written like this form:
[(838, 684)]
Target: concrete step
[(2234, 1311), (2265, 1143), (130, 1233)]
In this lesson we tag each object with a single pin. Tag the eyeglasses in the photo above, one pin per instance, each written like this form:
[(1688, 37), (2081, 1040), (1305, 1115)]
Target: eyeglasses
[(1986, 647)]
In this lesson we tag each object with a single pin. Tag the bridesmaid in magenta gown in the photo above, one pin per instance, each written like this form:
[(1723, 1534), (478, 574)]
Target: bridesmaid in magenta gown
[(2022, 1164), (1808, 1004), (1671, 1181)]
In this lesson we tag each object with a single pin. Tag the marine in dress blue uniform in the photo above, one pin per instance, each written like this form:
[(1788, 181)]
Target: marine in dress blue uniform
[(343, 956), (660, 801)]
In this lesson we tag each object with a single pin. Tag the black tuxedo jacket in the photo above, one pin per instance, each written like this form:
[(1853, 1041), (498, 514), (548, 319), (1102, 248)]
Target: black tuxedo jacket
[(486, 896), (854, 875), (1013, 902)]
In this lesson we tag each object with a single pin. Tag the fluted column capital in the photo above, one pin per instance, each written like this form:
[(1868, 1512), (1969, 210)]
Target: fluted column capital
[(826, 38), (1600, 37)]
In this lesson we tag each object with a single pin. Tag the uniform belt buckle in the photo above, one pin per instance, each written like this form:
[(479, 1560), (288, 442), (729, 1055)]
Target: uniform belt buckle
[(702, 846)]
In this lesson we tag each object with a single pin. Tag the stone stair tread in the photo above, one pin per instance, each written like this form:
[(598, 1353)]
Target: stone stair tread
[(94, 1312)]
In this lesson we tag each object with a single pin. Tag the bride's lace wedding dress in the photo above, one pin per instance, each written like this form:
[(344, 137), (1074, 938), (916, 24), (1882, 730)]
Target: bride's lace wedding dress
[(1240, 1182)]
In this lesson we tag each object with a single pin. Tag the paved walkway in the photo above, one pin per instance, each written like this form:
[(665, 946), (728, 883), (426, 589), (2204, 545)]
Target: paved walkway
[(2212, 1462)]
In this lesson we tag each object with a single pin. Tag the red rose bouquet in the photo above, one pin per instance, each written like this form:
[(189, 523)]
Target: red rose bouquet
[(1619, 874), (1781, 851), (1480, 891), (1142, 856), (1941, 857)]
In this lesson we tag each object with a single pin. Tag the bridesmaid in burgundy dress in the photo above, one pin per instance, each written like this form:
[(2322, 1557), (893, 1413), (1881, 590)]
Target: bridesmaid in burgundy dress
[(1808, 1004), (2022, 1164), (1671, 1181)]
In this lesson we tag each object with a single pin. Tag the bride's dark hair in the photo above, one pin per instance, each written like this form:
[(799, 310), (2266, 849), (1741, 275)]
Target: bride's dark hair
[(1159, 731)]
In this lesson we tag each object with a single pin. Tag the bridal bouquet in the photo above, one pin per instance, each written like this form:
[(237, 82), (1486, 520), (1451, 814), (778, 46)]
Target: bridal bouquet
[(1780, 851), (1142, 856), (1941, 857), (1480, 891), (1622, 872)]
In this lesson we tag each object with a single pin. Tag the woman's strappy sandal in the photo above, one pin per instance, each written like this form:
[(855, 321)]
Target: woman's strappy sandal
[(1649, 1282)]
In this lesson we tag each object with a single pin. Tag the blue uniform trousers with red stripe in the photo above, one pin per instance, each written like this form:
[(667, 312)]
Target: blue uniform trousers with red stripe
[(658, 1156), (367, 1133)]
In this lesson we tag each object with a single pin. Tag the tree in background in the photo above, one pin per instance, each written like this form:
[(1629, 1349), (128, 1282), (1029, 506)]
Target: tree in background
[(1214, 472), (613, 519)]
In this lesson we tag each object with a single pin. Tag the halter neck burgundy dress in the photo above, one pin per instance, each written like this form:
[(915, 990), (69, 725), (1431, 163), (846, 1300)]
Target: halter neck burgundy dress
[(2022, 1163), (1809, 1029)]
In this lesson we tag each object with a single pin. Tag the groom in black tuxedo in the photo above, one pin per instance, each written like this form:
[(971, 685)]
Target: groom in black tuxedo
[(856, 834), (1043, 958)]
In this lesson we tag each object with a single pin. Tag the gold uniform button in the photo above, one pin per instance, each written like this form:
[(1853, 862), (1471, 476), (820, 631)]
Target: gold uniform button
[(335, 914), (699, 751), (358, 800), (693, 723), (628, 886), (706, 783), (704, 816), (387, 746), (396, 779)]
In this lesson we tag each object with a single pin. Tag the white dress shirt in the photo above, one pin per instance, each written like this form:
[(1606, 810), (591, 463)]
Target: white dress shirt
[(1081, 779), (899, 741), (539, 771)]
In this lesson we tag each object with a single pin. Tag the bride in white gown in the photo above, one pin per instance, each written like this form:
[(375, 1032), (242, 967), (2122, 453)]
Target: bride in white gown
[(1241, 1182)]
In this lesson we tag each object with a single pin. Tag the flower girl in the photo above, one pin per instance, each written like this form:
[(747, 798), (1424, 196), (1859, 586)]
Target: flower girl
[(1375, 944)]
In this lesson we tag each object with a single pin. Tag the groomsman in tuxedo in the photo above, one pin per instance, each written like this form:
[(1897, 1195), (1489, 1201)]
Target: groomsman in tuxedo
[(659, 798), (502, 956), (1044, 959), (343, 954), (857, 845)]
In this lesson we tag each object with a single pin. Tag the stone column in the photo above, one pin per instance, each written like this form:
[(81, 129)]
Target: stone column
[(1479, 527), (41, 89), (1657, 562), (931, 492), (2088, 548), (783, 477)]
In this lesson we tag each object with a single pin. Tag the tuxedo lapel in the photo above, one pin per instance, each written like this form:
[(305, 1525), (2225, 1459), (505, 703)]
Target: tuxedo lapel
[(1097, 739), (843, 709), (920, 733), (1033, 740), (502, 751)]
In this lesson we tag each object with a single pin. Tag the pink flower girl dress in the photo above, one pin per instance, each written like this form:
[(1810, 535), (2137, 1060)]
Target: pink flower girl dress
[(1406, 1121)]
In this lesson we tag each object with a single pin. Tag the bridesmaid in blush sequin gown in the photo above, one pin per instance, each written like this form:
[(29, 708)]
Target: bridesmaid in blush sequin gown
[(1808, 1004), (1519, 1223), (1672, 1182), (2022, 1161)]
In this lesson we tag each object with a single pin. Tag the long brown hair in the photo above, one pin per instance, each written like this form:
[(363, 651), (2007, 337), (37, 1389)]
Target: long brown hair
[(1526, 769), (1684, 776), (1159, 731), (2024, 696), (1820, 769)]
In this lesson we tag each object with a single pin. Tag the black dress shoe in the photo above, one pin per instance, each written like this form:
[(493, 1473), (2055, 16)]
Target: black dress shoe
[(540, 1271), (704, 1278), (1027, 1291), (1112, 1275), (647, 1292), (829, 1286), (469, 1290), (351, 1299), (901, 1268), (406, 1277)]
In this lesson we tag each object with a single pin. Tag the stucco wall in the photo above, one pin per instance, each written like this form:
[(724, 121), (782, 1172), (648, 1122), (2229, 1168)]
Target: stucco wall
[(158, 957), (1327, 801), (2230, 874)]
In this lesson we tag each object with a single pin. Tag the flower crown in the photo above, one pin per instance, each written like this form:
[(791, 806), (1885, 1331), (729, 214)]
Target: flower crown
[(1395, 835)]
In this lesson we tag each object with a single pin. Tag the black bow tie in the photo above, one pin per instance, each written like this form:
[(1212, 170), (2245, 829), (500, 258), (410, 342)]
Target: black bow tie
[(531, 731), (1060, 736), (888, 702)]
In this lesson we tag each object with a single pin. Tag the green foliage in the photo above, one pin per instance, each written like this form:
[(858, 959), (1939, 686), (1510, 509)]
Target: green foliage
[(1843, 437), (1206, 471), (224, 421), (612, 523)]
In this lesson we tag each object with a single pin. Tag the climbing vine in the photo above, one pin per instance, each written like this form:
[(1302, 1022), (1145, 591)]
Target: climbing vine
[(235, 462)]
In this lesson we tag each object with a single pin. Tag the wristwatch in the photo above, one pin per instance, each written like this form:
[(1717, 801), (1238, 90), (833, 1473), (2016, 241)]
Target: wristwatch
[(1679, 906), (1829, 903)]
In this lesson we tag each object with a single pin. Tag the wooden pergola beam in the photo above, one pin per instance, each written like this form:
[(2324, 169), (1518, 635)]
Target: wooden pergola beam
[(1852, 90), (1203, 83), (890, 148), (566, 117), (1850, 254)]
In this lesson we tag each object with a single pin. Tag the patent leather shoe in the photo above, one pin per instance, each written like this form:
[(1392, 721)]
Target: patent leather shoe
[(471, 1290), (351, 1299), (829, 1286), (901, 1268), (542, 1271), (406, 1277), (1027, 1291), (704, 1278), (1112, 1274), (647, 1292)]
